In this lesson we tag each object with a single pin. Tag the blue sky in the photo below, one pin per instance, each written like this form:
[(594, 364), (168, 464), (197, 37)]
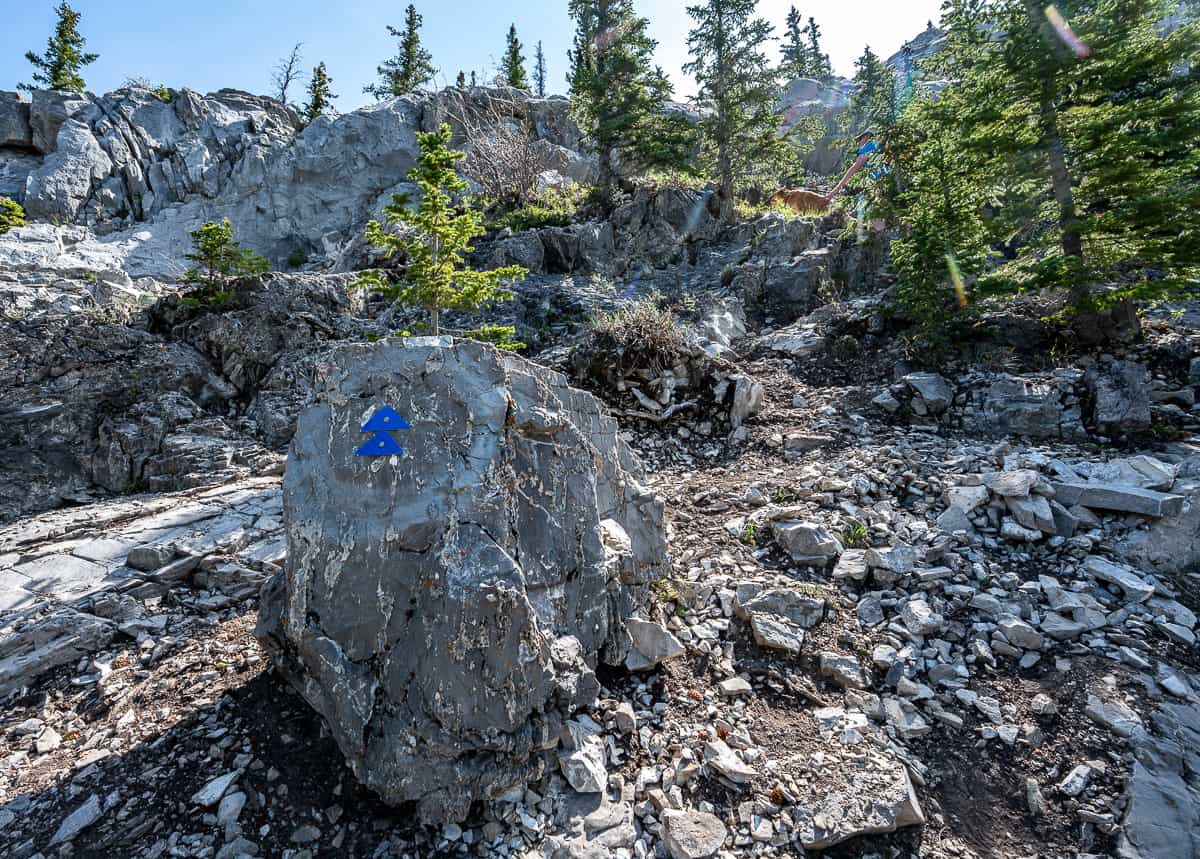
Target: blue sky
[(209, 44)]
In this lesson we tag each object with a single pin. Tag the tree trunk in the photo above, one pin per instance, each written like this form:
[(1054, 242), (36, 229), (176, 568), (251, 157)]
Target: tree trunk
[(1060, 176), (435, 311)]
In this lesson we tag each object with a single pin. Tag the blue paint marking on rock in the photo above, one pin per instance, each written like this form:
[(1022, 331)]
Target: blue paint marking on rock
[(386, 418), (380, 444)]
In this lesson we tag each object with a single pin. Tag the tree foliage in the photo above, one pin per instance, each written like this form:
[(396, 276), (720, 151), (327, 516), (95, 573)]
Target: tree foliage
[(320, 94), (874, 101), (218, 259), (59, 68), (437, 238), (616, 91), (794, 48), (411, 68), (737, 87), (11, 215), (1078, 173), (512, 67), (818, 62)]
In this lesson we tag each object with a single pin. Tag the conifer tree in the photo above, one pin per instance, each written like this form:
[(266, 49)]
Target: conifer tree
[(512, 67), (737, 85), (795, 49), (539, 72), (218, 260), (461, 81), (59, 68), (436, 277), (818, 63), (876, 86), (473, 84), (411, 68), (1089, 161), (616, 92), (320, 94)]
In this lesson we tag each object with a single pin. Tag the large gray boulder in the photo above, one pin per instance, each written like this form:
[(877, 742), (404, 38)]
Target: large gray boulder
[(15, 131), (1120, 395), (443, 609)]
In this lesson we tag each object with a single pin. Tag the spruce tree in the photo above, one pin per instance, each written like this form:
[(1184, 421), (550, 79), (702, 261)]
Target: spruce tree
[(473, 84), (539, 72), (738, 87), (411, 68), (512, 67), (59, 68), (461, 81), (616, 92), (436, 277), (795, 49), (320, 94), (871, 99), (1088, 163), (818, 63)]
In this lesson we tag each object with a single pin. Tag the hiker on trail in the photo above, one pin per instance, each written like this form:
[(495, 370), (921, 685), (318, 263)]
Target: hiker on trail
[(870, 154)]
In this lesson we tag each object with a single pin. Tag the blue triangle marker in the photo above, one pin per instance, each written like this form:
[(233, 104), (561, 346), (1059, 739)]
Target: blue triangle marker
[(380, 444), (386, 418)]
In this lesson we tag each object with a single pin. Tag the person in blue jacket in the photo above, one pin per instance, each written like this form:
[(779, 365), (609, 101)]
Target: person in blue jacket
[(870, 156)]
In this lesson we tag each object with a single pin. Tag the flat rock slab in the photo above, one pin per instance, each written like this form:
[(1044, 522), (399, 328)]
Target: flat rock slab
[(693, 834), (1124, 499)]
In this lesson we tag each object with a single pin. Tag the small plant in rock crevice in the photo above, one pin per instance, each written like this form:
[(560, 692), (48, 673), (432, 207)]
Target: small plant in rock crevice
[(856, 536)]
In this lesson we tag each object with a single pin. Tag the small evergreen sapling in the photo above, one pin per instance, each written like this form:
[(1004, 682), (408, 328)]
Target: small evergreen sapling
[(218, 260), (59, 68), (439, 236)]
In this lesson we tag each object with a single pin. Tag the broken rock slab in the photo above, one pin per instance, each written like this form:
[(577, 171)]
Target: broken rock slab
[(873, 797), (692, 834), (1119, 497), (424, 592), (38, 644)]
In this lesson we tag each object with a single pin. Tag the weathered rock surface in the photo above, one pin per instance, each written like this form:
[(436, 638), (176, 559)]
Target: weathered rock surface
[(142, 172), (424, 593)]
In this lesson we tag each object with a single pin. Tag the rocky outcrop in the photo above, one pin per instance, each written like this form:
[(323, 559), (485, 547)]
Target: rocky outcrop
[(443, 609), (141, 172), (101, 395)]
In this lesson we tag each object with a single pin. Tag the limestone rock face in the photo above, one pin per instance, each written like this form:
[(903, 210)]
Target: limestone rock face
[(443, 609), (140, 172)]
